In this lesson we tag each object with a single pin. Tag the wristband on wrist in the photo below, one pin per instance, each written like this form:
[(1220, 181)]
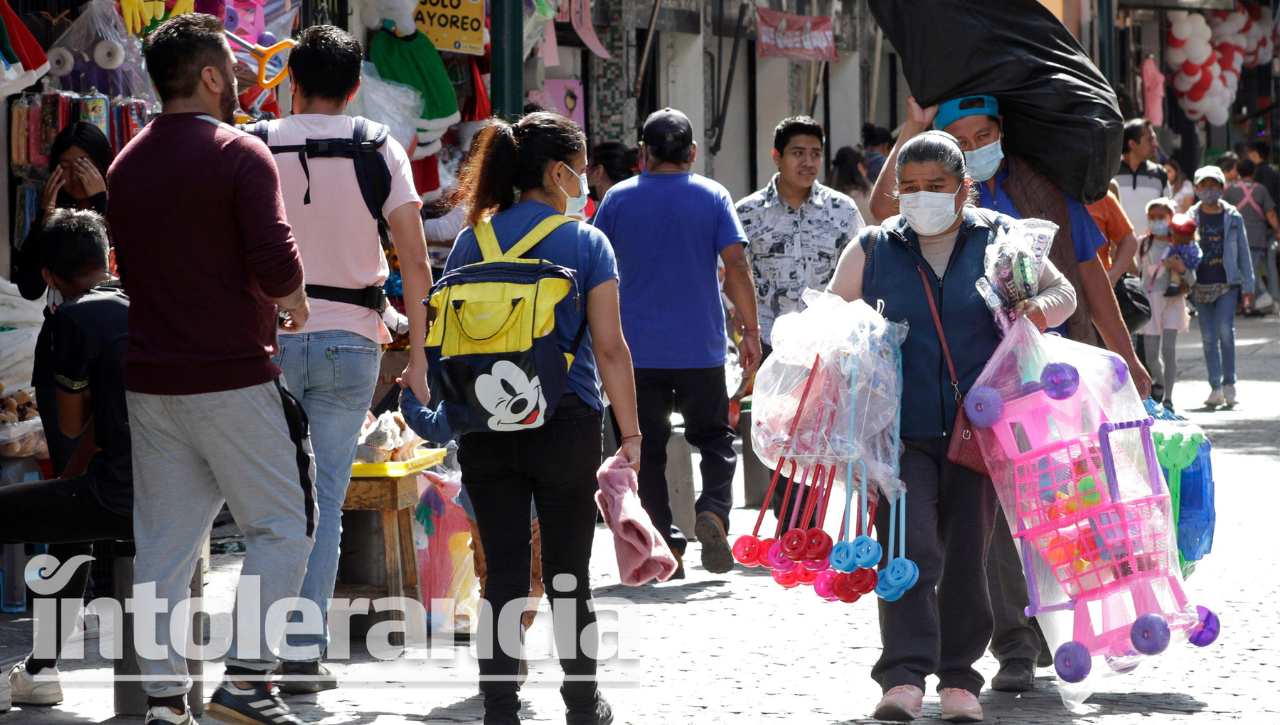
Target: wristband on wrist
[(751, 331), (627, 438)]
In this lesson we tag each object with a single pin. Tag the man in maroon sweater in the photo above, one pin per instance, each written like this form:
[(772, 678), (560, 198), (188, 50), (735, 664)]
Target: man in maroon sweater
[(208, 260)]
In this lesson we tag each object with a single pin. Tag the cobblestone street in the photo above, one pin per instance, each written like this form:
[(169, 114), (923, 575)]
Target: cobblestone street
[(738, 648)]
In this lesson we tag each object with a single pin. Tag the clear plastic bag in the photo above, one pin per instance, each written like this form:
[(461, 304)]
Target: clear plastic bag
[(97, 52), (843, 361), (1070, 452), (446, 573), (24, 439), (1012, 268)]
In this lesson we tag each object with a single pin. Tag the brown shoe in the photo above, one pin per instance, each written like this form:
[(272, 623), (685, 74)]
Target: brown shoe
[(679, 565), (717, 555)]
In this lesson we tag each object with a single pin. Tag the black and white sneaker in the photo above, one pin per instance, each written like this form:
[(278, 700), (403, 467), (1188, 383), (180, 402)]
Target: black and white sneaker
[(161, 715), (305, 678), (258, 705)]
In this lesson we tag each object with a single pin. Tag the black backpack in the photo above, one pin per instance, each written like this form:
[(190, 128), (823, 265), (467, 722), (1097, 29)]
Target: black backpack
[(364, 148)]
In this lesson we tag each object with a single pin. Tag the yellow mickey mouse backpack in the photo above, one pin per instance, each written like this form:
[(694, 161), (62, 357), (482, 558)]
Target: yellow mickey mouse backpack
[(491, 349)]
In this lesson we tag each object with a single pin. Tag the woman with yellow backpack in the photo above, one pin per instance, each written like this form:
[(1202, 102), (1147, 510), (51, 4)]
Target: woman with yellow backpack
[(525, 325)]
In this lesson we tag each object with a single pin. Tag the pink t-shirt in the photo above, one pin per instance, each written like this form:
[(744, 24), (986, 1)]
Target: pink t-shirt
[(336, 235)]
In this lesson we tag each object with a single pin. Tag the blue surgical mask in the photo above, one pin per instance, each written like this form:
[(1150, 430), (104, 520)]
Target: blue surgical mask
[(1159, 227), (983, 163), (575, 205)]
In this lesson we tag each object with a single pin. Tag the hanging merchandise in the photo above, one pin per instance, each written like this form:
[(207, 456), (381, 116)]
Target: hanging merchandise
[(98, 54), (24, 61), (1070, 450), (93, 108), (55, 115), (400, 13), (537, 13), (394, 105), (18, 148), (1209, 54), (413, 61), (36, 153), (426, 178), (260, 59)]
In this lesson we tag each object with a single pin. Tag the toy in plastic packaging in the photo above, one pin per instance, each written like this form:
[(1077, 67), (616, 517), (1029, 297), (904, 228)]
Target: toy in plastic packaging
[(446, 572), (1011, 268), (98, 53), (395, 105), (826, 413), (1184, 453), (1070, 450)]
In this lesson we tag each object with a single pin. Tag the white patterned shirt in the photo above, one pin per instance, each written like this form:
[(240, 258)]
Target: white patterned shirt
[(791, 250)]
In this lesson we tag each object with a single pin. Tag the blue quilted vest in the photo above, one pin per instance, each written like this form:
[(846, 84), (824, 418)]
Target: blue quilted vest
[(891, 276)]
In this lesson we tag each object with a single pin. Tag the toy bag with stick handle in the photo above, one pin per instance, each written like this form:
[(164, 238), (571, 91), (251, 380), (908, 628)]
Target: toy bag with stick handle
[(1070, 451), (826, 414)]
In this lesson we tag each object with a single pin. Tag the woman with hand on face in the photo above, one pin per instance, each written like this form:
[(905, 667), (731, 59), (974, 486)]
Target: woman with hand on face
[(922, 265), (78, 165)]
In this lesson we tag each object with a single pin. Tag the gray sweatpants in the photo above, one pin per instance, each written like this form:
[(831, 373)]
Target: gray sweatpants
[(249, 447)]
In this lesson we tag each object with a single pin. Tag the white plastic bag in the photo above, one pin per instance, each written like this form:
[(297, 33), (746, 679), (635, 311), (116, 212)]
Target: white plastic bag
[(394, 105)]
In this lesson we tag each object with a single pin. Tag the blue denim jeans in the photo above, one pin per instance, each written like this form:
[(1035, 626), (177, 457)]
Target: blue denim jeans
[(1218, 333), (1264, 260), (333, 374)]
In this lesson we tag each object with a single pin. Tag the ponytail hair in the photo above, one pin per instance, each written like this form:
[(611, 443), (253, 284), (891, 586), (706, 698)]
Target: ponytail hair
[(509, 157)]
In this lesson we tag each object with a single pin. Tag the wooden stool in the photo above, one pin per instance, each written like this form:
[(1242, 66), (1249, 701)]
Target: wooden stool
[(394, 500)]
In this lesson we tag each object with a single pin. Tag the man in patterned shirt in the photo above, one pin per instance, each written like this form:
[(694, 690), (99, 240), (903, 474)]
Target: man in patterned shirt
[(796, 227)]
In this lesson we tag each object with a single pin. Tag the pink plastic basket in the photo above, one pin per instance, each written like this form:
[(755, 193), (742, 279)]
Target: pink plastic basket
[(1106, 547), (1058, 480)]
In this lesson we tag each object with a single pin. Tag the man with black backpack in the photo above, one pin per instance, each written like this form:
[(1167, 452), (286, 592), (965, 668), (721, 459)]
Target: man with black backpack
[(346, 183)]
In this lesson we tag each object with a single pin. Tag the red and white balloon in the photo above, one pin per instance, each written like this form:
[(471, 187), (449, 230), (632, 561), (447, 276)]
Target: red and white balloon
[(1208, 54)]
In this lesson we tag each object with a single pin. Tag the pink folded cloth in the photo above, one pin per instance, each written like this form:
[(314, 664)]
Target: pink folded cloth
[(642, 552)]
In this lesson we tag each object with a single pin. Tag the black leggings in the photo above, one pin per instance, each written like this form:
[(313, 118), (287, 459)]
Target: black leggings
[(555, 466), (64, 514)]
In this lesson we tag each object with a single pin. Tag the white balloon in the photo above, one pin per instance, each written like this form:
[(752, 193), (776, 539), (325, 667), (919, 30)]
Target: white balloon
[(1198, 53), (1183, 82), (1181, 29), (1197, 20), (1173, 57), (1203, 33), (1218, 115)]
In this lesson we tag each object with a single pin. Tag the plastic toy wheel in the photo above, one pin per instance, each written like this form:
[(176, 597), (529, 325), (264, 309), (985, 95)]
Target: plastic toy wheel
[(766, 545), (901, 574), (1060, 380), (779, 561), (865, 580), (1122, 373), (866, 551), (823, 564), (108, 54), (1207, 632), (61, 62), (842, 557), (822, 584), (793, 543), (805, 575), (1072, 662), (817, 544), (746, 551), (984, 406), (786, 578), (232, 21), (1150, 634)]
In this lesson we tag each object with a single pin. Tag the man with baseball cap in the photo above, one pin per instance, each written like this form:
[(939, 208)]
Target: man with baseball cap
[(1011, 185), (1225, 271), (669, 227)]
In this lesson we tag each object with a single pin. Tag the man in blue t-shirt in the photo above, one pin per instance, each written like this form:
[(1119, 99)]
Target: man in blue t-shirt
[(668, 228)]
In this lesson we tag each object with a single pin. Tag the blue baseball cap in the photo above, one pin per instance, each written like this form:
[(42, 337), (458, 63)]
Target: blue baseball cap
[(951, 111)]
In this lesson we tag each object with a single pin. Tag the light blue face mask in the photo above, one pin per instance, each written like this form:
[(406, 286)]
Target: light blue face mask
[(1159, 227), (575, 205), (983, 163)]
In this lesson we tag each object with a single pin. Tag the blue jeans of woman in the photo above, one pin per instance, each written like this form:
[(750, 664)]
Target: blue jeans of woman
[(1218, 333), (333, 374)]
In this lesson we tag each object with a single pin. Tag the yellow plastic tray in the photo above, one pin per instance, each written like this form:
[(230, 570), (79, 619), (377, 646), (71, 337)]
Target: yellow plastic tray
[(426, 458)]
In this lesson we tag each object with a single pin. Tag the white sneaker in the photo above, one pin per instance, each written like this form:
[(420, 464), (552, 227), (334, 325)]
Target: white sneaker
[(39, 689), (1216, 398), (6, 699), (162, 714), (1229, 392)]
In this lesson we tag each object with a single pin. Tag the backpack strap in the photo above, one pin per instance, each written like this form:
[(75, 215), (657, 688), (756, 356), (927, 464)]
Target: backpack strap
[(1248, 197), (491, 250)]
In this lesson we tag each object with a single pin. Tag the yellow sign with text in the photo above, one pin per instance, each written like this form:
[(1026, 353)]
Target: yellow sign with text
[(452, 25)]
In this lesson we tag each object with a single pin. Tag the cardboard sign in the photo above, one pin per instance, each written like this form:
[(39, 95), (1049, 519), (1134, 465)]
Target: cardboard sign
[(452, 25), (801, 37)]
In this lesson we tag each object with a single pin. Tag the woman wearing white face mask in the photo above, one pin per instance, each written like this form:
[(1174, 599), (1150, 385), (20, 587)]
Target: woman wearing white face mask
[(929, 258)]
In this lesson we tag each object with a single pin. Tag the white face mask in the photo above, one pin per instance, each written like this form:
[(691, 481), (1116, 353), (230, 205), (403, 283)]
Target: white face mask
[(575, 205), (985, 162), (929, 213), (53, 298)]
